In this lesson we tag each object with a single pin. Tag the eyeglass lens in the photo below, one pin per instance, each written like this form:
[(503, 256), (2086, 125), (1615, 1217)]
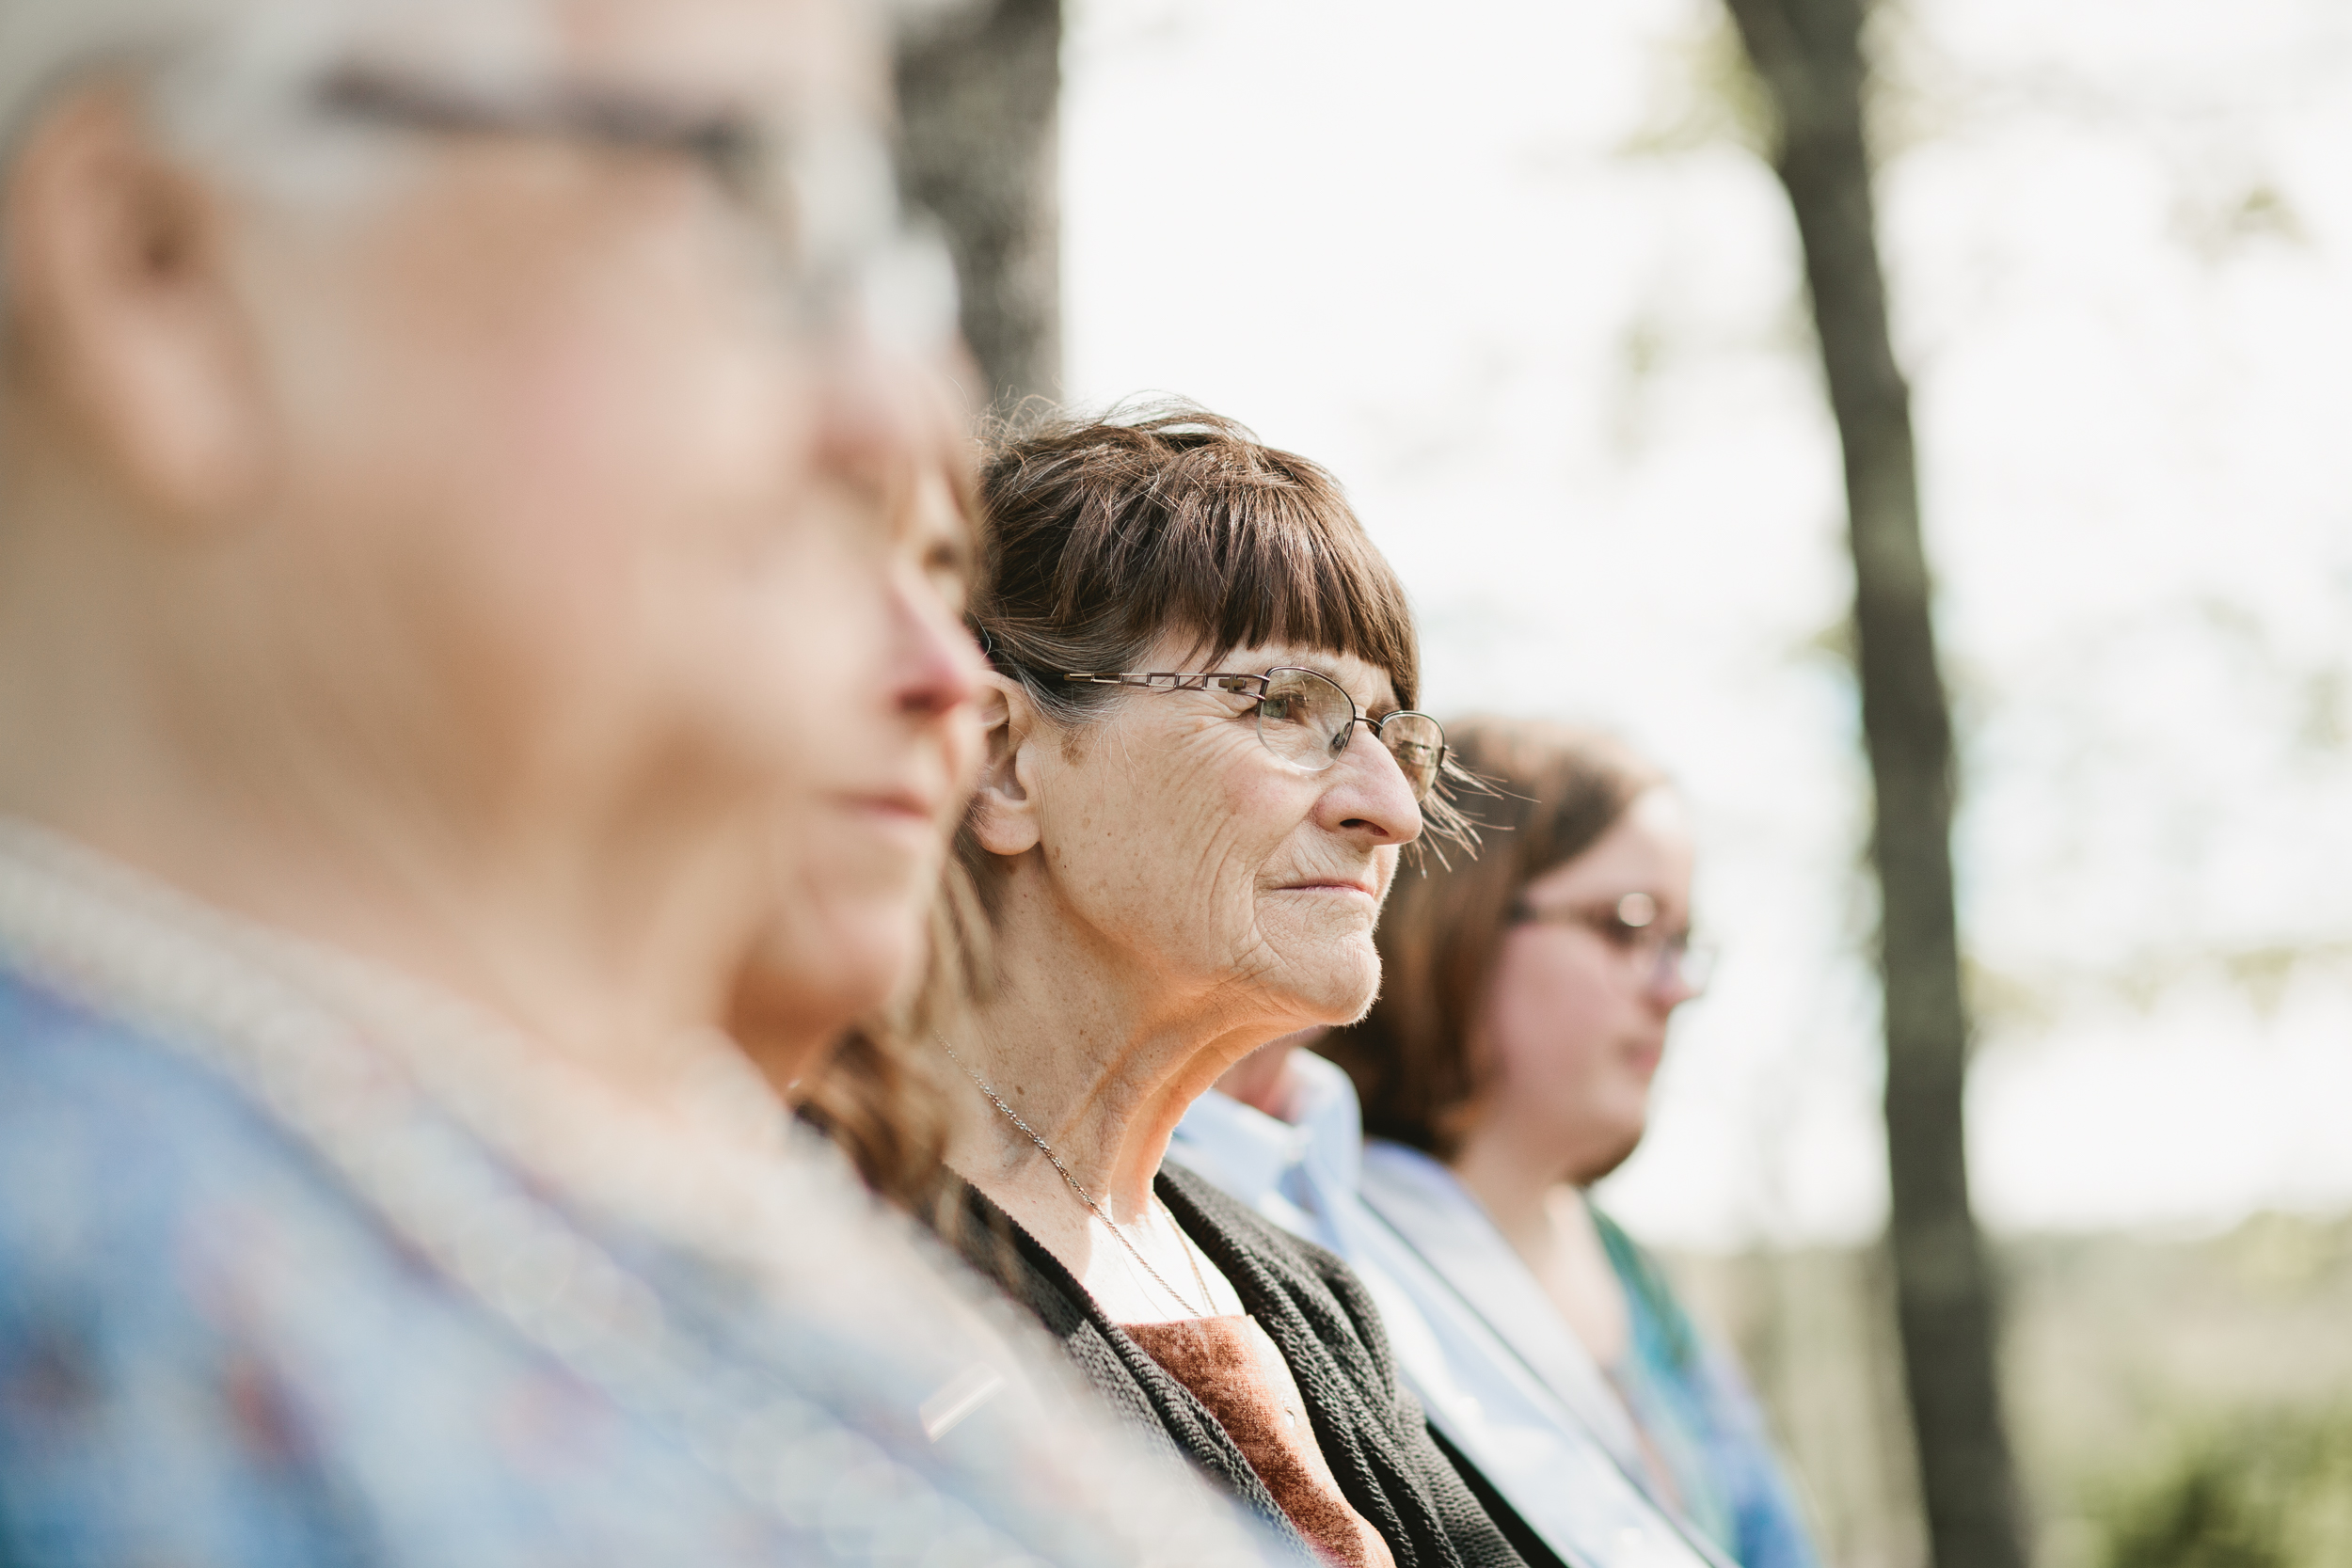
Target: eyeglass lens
[(1630, 926), (1309, 718), (1664, 955)]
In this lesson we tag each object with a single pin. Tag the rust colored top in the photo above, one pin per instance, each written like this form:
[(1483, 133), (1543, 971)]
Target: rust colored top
[(1233, 1369)]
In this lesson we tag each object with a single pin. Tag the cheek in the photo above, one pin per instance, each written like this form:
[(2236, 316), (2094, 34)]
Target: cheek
[(1250, 816), (1168, 854), (643, 501), (1548, 1018), (851, 924), (587, 476)]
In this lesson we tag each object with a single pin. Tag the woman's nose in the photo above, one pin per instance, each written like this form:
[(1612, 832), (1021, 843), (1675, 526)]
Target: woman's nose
[(936, 666), (1666, 986), (1370, 794)]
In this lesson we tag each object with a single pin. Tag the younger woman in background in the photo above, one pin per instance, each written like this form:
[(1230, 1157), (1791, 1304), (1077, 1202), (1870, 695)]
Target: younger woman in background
[(1508, 1066)]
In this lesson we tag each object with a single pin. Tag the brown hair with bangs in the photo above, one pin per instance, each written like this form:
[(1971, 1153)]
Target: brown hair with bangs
[(1105, 536), (1414, 1057)]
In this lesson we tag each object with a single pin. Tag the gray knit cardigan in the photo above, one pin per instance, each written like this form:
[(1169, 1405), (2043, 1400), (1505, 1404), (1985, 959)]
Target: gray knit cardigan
[(1319, 1316)]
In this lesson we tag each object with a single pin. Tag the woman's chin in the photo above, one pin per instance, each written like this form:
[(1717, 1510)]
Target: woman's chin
[(1337, 986), (842, 963)]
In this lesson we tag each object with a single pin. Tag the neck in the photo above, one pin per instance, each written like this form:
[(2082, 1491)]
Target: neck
[(186, 750), (1100, 1066), (1514, 1182), (1541, 1211)]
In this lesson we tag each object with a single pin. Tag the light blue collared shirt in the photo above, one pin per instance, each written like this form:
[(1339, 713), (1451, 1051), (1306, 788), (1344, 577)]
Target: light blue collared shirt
[(1560, 1453)]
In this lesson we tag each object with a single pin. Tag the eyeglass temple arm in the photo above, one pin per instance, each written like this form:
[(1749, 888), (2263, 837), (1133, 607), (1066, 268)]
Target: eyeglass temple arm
[(1146, 678)]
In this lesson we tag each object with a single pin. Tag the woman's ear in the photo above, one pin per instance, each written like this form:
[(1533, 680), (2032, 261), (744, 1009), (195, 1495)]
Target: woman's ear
[(1004, 808), (118, 265)]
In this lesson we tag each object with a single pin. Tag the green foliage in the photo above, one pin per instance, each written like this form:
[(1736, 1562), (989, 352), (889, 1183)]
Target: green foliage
[(2273, 1491)]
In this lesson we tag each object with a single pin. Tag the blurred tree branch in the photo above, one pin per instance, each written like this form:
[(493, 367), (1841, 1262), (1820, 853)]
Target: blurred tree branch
[(1809, 54), (977, 90)]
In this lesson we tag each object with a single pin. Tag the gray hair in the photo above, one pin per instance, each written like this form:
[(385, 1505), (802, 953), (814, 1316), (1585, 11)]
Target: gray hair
[(229, 84)]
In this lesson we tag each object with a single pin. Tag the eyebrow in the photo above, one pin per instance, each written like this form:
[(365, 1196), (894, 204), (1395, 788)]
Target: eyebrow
[(594, 110)]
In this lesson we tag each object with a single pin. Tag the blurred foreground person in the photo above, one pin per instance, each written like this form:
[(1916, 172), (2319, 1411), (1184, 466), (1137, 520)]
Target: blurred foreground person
[(457, 647), (1508, 1066), (1197, 786)]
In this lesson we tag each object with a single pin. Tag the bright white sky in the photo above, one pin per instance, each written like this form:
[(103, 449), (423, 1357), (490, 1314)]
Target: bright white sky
[(1500, 266)]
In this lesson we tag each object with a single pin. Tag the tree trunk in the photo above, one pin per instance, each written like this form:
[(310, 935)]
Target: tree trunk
[(977, 90), (1809, 54)]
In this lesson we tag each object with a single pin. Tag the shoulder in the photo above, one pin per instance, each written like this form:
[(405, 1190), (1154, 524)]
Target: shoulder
[(1141, 1392), (1323, 1320), (996, 1246), (194, 1300), (117, 1153)]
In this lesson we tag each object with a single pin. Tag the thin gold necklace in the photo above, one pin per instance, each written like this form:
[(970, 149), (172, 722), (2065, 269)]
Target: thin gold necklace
[(1207, 1309)]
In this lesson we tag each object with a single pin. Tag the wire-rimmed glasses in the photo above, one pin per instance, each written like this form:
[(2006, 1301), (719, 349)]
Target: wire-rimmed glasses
[(1307, 719), (1630, 927)]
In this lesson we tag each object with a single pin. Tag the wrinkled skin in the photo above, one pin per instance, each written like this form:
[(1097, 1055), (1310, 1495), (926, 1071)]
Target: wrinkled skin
[(1173, 897)]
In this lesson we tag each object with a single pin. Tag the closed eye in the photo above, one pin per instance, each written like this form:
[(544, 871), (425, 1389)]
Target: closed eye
[(949, 564)]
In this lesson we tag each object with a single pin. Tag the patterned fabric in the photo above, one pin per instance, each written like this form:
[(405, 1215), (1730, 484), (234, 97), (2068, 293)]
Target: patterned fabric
[(1371, 1431), (266, 1301), (1701, 1419), (1231, 1367)]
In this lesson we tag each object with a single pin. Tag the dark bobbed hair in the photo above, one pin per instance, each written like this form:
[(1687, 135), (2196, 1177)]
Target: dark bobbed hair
[(1105, 536), (1413, 1061)]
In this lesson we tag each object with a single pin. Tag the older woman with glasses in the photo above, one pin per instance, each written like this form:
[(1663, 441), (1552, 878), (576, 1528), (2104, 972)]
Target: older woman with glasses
[(1201, 772), (1508, 1066)]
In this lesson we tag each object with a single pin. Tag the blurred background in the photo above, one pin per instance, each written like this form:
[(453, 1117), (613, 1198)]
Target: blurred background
[(1523, 276)]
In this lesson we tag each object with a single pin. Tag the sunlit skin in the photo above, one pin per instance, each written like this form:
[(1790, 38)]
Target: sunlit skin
[(1573, 1031), (474, 576), (1174, 896)]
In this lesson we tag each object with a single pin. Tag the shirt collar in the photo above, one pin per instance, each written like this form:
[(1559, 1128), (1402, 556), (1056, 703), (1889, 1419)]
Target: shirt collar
[(1327, 1114), (1248, 1152)]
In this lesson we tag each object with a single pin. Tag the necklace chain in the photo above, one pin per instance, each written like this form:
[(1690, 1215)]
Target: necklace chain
[(1207, 1309)]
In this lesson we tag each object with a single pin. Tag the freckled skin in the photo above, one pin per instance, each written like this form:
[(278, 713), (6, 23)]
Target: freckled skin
[(1177, 838), (1174, 895)]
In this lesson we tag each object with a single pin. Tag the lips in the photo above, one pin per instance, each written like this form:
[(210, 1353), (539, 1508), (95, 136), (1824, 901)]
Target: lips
[(1334, 884), (896, 811), (896, 804)]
